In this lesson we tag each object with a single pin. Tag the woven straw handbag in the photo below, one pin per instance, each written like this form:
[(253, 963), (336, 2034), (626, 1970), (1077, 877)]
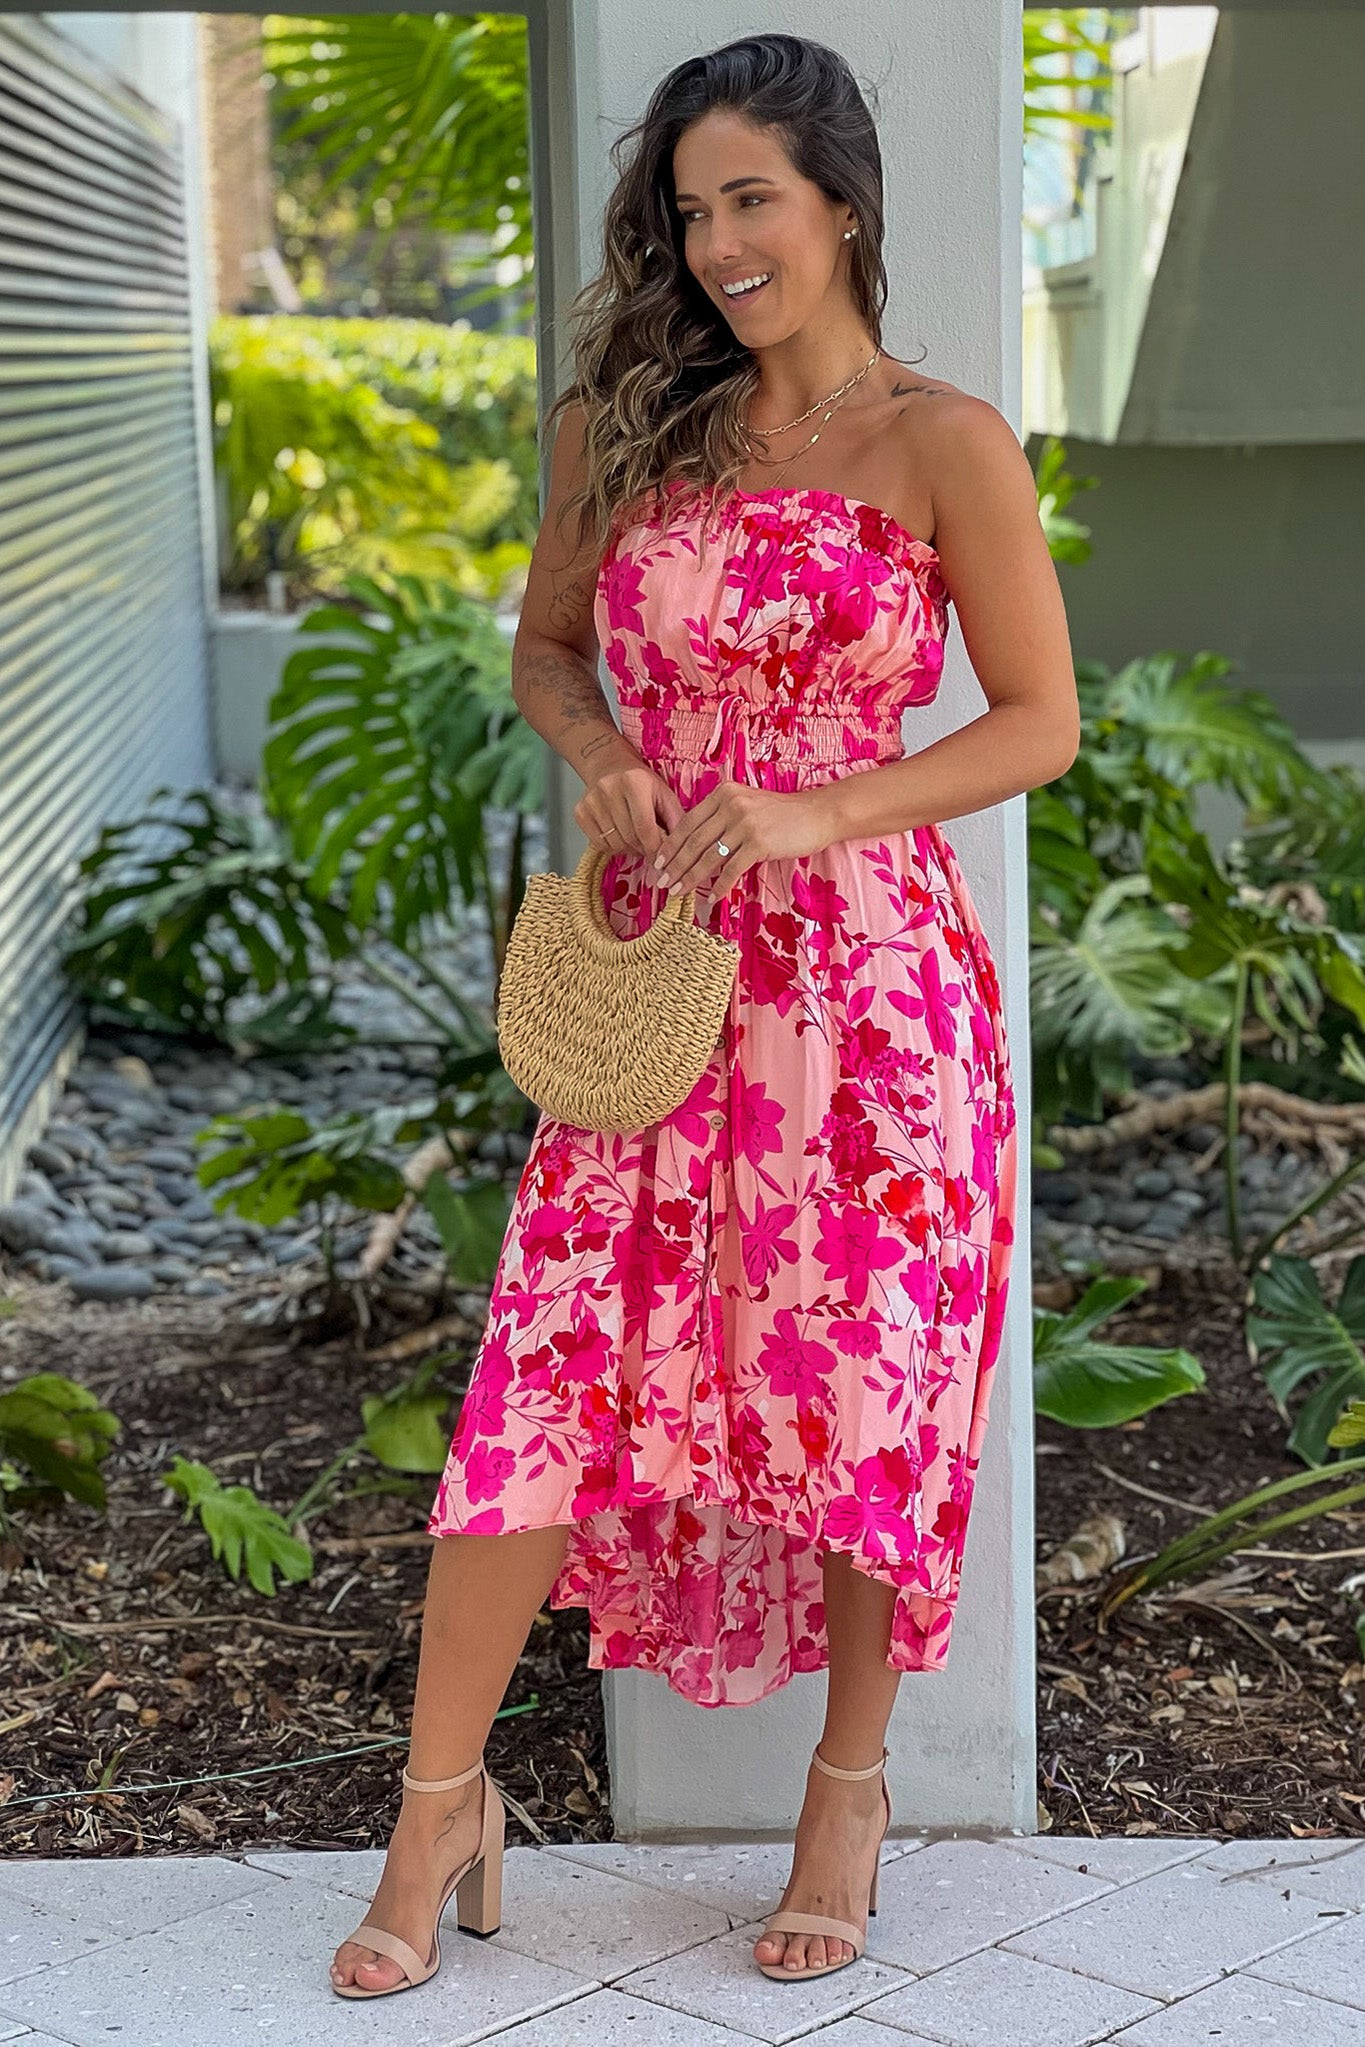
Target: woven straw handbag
[(608, 1033)]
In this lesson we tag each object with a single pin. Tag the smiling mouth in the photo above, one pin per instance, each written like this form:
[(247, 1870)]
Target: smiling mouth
[(742, 298)]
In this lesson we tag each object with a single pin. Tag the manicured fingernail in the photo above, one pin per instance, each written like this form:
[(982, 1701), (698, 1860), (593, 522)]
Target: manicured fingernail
[(658, 859), (663, 875)]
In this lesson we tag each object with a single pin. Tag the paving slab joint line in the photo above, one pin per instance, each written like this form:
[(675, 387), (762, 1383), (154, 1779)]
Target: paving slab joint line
[(796, 2033), (1119, 1883), (534, 2011), (1295, 1989), (522, 2017)]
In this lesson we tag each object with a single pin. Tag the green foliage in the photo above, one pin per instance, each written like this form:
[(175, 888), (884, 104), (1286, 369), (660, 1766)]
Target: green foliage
[(271, 1161), (472, 1220), (478, 391), (1169, 722), (278, 1162), (426, 115), (382, 754), (1064, 32), (405, 1429), (387, 746), (1088, 1385), (1244, 1525), (1349, 1427), (59, 1433), (1291, 964), (1067, 539), (352, 446), (1295, 1336), (1315, 845), (194, 906), (240, 1528), (1142, 939), (1152, 734), (1105, 991)]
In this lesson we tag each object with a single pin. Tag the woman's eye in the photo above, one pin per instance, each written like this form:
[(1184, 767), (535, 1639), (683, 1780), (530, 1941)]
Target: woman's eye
[(756, 197)]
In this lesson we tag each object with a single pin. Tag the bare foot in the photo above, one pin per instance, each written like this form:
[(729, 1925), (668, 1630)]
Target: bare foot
[(838, 1839), (436, 1832)]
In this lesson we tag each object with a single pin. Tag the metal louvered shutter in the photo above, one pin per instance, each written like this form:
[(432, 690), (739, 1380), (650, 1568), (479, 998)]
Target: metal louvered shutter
[(103, 633)]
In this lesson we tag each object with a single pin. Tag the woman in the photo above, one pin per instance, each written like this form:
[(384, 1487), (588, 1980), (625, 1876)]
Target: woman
[(733, 1385)]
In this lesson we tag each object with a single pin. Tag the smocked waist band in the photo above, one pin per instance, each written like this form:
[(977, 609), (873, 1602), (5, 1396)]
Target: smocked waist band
[(733, 727)]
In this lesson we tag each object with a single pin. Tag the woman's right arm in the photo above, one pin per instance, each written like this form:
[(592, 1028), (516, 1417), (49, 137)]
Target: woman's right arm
[(554, 654)]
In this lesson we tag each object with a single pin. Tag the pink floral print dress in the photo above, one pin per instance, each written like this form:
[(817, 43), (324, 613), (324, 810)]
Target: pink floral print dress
[(765, 1328)]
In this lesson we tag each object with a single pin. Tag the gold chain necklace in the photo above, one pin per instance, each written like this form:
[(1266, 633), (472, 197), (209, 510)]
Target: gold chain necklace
[(832, 402)]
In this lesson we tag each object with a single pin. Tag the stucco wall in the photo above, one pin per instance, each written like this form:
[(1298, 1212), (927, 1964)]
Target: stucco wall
[(1253, 552)]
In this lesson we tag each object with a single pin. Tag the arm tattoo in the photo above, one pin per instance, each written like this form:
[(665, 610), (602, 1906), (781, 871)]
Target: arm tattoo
[(569, 603), (558, 693)]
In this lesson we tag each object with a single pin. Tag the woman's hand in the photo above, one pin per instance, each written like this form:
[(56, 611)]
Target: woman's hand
[(756, 824), (627, 808)]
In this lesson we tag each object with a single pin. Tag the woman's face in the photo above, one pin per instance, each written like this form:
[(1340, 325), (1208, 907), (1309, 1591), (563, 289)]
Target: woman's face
[(745, 212)]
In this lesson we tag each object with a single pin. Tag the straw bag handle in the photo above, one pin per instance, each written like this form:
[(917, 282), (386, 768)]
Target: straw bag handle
[(592, 926)]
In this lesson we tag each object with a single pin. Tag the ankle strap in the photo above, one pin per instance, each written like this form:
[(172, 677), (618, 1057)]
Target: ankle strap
[(442, 1783), (872, 1771)]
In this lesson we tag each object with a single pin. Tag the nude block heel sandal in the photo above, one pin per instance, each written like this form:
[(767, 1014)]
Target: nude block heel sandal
[(476, 1884), (816, 1922)]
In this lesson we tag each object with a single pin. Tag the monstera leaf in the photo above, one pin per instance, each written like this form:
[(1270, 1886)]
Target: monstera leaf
[(1191, 728), (1113, 983), (382, 751)]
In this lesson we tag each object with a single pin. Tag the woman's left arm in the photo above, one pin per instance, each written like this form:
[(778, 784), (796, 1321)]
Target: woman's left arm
[(1000, 575)]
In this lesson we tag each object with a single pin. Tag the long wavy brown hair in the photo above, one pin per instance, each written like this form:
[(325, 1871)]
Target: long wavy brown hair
[(663, 382)]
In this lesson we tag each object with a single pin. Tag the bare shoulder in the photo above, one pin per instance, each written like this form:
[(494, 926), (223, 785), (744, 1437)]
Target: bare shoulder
[(952, 447), (942, 421), (960, 419), (969, 457)]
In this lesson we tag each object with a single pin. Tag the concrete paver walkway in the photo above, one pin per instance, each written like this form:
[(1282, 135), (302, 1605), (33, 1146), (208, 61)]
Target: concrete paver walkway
[(1040, 1941)]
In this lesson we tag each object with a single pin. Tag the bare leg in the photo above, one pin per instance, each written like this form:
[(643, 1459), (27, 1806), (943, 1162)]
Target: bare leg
[(841, 1823), (483, 1592)]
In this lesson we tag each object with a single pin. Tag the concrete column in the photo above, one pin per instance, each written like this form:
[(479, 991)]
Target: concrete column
[(948, 79)]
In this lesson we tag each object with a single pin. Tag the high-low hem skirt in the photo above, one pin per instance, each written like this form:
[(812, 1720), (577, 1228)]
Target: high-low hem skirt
[(764, 1330)]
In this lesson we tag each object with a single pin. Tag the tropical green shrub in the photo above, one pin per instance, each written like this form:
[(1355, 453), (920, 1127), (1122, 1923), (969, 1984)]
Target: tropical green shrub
[(388, 744), (347, 446), (424, 116), (196, 905), (478, 390), (1143, 940), (271, 1162)]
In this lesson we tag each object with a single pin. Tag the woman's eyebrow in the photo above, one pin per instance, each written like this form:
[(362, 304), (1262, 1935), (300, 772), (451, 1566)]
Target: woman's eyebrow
[(731, 185)]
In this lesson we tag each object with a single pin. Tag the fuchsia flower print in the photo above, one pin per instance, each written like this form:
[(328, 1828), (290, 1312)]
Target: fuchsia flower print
[(766, 1327)]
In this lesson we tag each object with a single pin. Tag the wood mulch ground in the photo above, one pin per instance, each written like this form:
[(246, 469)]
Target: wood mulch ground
[(127, 1657), (1230, 1706)]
